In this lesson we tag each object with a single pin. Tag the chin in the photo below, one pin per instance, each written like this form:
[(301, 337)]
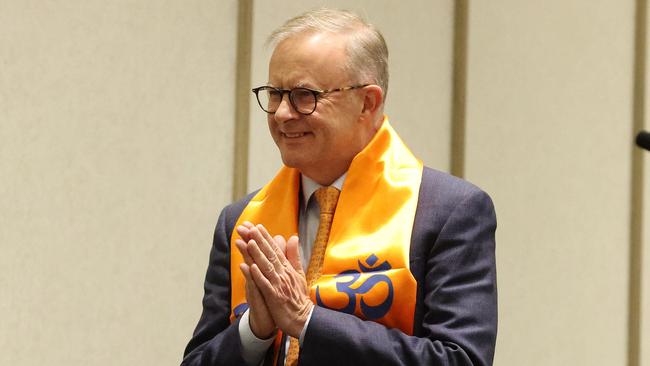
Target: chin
[(297, 161), (291, 160)]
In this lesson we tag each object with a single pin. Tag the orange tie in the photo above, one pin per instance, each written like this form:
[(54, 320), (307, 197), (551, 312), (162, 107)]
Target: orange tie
[(327, 198)]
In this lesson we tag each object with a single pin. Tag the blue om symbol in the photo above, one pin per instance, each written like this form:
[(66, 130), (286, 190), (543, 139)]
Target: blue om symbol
[(370, 312)]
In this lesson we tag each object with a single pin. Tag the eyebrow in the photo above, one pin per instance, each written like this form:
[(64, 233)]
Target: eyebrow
[(300, 84), (303, 84)]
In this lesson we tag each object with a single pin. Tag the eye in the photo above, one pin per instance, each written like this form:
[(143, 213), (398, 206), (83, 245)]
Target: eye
[(302, 95), (274, 95)]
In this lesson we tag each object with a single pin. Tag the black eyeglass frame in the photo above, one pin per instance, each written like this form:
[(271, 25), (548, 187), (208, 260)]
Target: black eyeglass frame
[(315, 92)]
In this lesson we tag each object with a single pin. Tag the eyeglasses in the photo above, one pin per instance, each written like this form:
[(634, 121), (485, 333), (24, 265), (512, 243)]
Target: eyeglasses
[(303, 100)]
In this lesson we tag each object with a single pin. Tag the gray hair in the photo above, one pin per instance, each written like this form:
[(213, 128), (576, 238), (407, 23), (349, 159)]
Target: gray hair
[(366, 49)]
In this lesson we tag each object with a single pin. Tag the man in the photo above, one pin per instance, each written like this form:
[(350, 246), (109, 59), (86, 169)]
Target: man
[(393, 263)]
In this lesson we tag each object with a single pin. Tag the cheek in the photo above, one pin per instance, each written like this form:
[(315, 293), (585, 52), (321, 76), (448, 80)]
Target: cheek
[(273, 127), (338, 140)]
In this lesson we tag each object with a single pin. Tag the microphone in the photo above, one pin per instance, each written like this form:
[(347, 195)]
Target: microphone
[(643, 140)]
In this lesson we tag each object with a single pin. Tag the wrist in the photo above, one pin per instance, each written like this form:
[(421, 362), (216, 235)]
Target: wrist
[(300, 322), (261, 331), (253, 348)]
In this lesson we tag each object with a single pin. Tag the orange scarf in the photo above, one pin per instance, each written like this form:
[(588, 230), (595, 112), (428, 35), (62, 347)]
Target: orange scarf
[(366, 267)]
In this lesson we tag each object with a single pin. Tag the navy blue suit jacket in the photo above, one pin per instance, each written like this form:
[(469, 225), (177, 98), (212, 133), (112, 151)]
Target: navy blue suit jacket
[(452, 257)]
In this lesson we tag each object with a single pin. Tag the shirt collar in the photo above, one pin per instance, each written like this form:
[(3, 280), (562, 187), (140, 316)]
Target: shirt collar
[(309, 186)]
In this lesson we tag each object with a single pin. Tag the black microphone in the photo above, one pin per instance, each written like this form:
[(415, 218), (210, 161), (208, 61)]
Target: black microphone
[(643, 140)]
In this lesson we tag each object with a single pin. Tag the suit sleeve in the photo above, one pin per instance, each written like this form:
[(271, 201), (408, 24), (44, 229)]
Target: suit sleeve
[(215, 341), (459, 320)]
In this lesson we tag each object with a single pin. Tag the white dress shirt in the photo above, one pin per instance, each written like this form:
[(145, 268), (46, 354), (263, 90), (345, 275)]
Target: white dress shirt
[(254, 348)]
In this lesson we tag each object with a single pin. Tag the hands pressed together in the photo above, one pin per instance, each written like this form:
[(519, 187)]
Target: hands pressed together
[(276, 288)]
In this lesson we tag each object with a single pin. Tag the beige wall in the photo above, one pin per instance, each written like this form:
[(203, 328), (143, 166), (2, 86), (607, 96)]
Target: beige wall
[(115, 149), (549, 122), (645, 278), (116, 154)]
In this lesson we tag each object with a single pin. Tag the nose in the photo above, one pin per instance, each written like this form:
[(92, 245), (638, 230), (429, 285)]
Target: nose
[(285, 110)]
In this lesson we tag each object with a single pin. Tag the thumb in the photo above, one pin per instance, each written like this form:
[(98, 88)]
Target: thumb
[(293, 253)]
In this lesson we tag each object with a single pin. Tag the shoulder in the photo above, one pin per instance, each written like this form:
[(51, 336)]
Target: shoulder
[(235, 209), (443, 189), (443, 197), (230, 214)]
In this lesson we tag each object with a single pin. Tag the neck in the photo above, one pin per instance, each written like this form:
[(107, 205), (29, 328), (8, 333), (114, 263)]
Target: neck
[(322, 178)]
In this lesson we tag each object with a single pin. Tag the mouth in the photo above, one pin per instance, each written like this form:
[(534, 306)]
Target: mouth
[(294, 135)]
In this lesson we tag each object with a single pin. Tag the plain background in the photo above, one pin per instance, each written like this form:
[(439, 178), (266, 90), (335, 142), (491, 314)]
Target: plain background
[(117, 124)]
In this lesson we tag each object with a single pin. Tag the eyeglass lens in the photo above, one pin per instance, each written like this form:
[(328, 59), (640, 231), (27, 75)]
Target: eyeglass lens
[(303, 100)]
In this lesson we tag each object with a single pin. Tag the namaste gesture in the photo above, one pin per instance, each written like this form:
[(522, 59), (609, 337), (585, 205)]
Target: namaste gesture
[(276, 289)]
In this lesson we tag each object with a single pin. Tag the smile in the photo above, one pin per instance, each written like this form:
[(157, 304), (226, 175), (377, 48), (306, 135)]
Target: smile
[(293, 135)]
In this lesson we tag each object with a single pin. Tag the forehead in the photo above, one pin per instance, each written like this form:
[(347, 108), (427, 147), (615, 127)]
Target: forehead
[(312, 59)]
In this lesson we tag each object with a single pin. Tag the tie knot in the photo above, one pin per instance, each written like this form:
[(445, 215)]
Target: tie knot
[(327, 197)]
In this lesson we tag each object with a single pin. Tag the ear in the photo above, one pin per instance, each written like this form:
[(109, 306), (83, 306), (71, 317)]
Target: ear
[(373, 101)]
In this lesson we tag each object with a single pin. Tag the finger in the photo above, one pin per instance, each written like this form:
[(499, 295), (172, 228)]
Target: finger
[(244, 232), (282, 244), (252, 291), (262, 262), (293, 253), (243, 249), (265, 234), (245, 270), (277, 249), (266, 247), (262, 283)]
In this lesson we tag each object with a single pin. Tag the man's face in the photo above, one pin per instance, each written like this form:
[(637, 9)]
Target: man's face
[(321, 145)]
